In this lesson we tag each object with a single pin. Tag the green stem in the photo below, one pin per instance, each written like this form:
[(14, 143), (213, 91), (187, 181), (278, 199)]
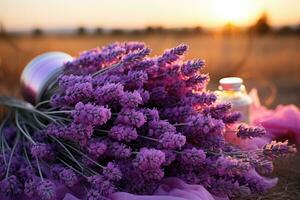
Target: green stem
[(21, 129), (84, 155), (75, 170), (39, 169), (106, 69), (66, 149), (180, 124), (12, 153), (3, 137), (11, 102), (38, 121), (148, 138), (59, 112), (42, 103), (26, 156)]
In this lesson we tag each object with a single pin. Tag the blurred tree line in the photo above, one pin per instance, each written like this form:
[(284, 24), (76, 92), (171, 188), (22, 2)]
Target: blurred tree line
[(261, 27)]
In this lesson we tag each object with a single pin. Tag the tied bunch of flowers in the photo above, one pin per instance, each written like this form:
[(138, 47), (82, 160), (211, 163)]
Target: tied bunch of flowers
[(119, 120)]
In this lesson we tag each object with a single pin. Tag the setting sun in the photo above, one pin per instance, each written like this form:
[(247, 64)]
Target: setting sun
[(235, 11)]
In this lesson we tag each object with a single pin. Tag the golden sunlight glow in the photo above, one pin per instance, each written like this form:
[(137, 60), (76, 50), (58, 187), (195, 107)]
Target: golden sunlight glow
[(235, 11)]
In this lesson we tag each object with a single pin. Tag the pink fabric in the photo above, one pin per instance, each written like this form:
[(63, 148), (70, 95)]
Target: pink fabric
[(171, 189), (281, 124)]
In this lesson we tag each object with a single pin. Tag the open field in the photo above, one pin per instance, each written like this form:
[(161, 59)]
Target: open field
[(271, 64)]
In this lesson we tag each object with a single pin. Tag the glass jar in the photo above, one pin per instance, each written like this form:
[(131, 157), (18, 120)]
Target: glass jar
[(40, 72), (232, 90)]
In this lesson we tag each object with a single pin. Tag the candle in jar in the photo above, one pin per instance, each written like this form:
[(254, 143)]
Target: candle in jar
[(232, 90)]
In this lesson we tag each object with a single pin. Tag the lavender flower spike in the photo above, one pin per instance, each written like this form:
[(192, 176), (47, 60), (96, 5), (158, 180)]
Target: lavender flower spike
[(278, 149), (112, 172), (171, 140), (149, 159), (131, 117), (46, 190), (173, 54), (192, 157), (248, 132), (189, 68), (89, 114), (135, 56), (122, 132)]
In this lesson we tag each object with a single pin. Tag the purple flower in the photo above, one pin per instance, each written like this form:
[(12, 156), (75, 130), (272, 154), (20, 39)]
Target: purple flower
[(78, 92), (135, 79), (153, 174), (123, 133), (112, 172), (131, 117), (151, 114), (264, 167), (46, 190), (218, 111), (101, 185), (89, 114), (158, 94), (56, 130), (173, 54), (143, 65), (95, 180), (132, 46), (67, 81), (119, 150), (197, 82), (10, 185), (231, 166), (144, 94), (30, 186), (55, 170), (170, 156), (159, 127), (189, 68), (69, 177), (104, 79), (196, 99), (131, 99), (58, 100), (202, 125), (79, 133), (178, 113), (91, 61), (135, 56), (245, 132), (192, 157), (149, 159), (171, 140), (109, 92), (42, 151), (96, 148), (278, 149), (232, 117)]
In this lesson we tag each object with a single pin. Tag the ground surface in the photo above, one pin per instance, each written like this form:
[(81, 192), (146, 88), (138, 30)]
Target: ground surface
[(271, 64)]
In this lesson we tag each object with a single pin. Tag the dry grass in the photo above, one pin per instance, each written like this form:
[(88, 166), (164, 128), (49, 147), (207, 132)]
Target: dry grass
[(271, 64)]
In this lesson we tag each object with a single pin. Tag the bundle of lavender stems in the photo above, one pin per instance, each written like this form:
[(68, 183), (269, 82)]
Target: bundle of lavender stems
[(119, 120)]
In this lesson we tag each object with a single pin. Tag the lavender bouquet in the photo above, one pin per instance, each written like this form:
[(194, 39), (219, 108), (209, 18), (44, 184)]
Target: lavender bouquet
[(119, 120)]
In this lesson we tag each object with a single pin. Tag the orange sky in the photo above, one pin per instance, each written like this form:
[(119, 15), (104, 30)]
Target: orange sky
[(49, 14)]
